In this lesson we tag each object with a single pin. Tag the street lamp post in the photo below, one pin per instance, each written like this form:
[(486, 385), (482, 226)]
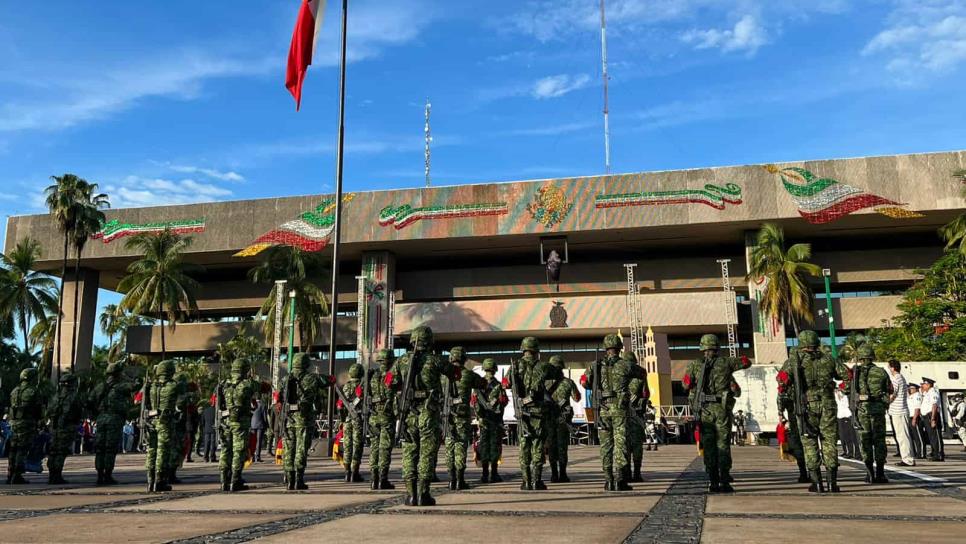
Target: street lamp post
[(827, 274)]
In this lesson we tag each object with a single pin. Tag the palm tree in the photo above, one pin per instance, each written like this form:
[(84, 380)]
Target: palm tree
[(125, 321), (787, 296), (44, 334), (954, 232), (298, 268), (109, 321), (25, 295), (87, 222), (158, 282), (63, 199)]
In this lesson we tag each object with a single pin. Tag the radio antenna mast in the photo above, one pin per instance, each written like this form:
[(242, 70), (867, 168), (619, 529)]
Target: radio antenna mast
[(603, 61), (429, 138)]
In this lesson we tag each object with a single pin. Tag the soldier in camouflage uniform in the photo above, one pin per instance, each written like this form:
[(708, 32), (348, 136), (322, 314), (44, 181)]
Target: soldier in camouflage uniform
[(874, 389), (161, 412), (383, 384), (65, 412), (179, 427), (817, 372), (422, 418), (562, 389), (352, 428), (110, 400), (237, 394), (490, 400), (534, 419), (26, 409), (793, 439), (612, 408), (711, 389), (305, 396), (639, 393), (460, 418)]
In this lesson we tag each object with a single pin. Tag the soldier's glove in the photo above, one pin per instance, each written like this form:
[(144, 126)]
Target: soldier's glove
[(358, 391), (388, 379), (687, 381)]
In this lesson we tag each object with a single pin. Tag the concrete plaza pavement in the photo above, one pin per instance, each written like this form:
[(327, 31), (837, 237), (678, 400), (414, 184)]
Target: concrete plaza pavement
[(927, 503)]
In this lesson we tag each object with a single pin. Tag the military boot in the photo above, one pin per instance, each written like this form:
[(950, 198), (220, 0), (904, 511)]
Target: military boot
[(411, 493), (621, 485), (726, 480), (880, 477), (637, 471), (18, 479), (161, 485), (494, 475), (452, 480), (525, 479), (290, 480), (563, 473), (238, 484), (151, 483), (461, 480), (425, 499), (300, 479), (537, 476), (609, 481), (9, 473), (348, 475), (356, 477), (554, 475), (816, 476), (485, 479), (55, 478), (226, 480), (100, 477), (109, 478), (802, 472), (376, 482), (714, 484), (869, 472), (833, 480), (384, 482)]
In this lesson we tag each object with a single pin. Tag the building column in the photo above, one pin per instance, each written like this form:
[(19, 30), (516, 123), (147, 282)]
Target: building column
[(768, 333), (85, 286), (379, 270)]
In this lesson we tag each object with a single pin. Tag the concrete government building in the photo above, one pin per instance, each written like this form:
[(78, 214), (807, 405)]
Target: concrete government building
[(467, 260)]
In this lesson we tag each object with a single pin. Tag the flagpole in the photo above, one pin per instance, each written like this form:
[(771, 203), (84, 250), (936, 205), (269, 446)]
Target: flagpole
[(334, 298)]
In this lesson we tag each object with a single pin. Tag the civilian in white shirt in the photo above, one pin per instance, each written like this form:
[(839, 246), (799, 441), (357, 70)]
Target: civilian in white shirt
[(847, 434), (929, 409), (899, 415)]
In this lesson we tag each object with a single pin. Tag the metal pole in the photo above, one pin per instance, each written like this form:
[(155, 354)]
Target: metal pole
[(827, 273), (429, 138), (603, 59), (291, 328), (334, 299), (277, 340)]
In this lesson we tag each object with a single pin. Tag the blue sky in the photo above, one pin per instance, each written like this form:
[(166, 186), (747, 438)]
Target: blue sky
[(178, 101)]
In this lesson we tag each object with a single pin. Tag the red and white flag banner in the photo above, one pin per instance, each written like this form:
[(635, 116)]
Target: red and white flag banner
[(304, 40)]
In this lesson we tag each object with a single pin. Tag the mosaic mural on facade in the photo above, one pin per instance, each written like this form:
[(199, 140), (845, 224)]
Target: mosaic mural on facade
[(114, 229), (715, 196), (823, 200), (309, 232), (549, 205), (401, 217)]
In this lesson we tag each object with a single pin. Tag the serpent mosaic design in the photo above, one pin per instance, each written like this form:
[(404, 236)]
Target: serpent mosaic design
[(823, 200), (715, 196), (114, 229), (401, 217), (309, 232)]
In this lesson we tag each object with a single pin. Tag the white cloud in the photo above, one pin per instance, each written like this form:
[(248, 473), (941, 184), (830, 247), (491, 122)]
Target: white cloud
[(374, 25), (747, 35), (210, 172), (138, 191), (554, 130), (558, 85), (923, 36)]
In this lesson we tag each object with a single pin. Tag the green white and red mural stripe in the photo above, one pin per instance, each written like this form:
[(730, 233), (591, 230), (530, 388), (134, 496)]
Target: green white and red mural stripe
[(715, 196), (402, 216), (114, 229), (309, 232)]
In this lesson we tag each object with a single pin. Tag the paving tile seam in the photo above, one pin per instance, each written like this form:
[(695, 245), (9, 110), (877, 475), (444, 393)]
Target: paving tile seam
[(677, 517), (842, 517), (103, 507), (511, 513)]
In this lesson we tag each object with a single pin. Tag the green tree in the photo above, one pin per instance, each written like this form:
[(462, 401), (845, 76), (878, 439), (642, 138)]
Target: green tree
[(787, 295), (159, 283), (44, 335), (954, 232), (301, 270), (12, 361), (87, 222), (25, 295)]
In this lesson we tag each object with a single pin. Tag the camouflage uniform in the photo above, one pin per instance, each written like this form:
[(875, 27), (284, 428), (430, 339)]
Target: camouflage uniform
[(110, 400), (611, 407), (161, 407), (383, 384), (305, 396), (65, 413), (26, 409), (534, 419), (353, 440), (179, 427), (460, 418), (639, 393), (236, 397), (489, 415), (874, 389), (422, 417), (562, 389), (816, 371), (711, 389), (793, 439)]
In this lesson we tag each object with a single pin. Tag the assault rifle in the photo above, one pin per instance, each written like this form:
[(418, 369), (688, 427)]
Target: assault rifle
[(855, 397), (143, 416), (349, 406), (518, 392), (597, 395), (799, 401), (406, 396), (366, 405), (447, 407)]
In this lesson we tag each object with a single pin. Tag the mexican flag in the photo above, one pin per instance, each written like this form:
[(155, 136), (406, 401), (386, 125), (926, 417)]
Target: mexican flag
[(304, 40)]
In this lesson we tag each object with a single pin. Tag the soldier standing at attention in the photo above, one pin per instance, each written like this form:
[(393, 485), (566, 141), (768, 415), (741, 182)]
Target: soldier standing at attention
[(420, 370), (26, 409), (490, 402), (65, 413), (179, 427), (304, 399), (237, 393), (558, 443), (639, 393), (711, 388), (609, 382), (793, 438), (162, 402), (874, 389), (533, 420), (352, 427), (817, 373), (110, 401), (461, 418), (383, 383)]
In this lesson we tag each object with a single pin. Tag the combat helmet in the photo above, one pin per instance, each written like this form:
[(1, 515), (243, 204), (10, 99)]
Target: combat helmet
[(301, 363), (68, 378), (808, 339), (530, 343), (489, 365), (384, 355), (612, 341), (709, 342), (240, 366), (165, 369), (557, 361), (421, 338), (28, 375), (865, 353), (356, 371), (457, 354)]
